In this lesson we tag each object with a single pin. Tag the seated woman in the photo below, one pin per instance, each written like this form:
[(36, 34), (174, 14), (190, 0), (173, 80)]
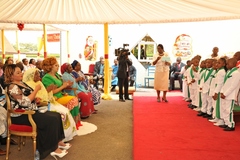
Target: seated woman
[(87, 107), (80, 78), (49, 124), (79, 75), (32, 78), (51, 77)]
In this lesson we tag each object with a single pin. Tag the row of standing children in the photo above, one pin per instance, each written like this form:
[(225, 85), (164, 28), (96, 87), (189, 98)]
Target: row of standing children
[(212, 89)]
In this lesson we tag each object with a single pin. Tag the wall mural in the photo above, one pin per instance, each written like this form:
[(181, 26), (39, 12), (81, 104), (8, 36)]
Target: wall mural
[(90, 50), (183, 46)]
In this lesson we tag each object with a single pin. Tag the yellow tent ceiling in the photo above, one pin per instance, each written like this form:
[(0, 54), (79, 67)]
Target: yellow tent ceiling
[(116, 11)]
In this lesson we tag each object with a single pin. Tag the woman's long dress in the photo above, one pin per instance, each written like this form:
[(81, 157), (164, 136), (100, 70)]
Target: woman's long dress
[(71, 102), (49, 124), (86, 106), (161, 76), (96, 94), (69, 124)]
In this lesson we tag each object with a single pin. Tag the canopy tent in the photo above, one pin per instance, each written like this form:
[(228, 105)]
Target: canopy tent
[(116, 11), (29, 27)]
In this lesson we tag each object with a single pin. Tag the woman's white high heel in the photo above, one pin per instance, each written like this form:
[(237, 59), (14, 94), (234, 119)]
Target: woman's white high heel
[(60, 155), (66, 147)]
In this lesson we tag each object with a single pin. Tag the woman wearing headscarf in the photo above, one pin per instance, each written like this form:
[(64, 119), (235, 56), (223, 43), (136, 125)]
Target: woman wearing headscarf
[(50, 66), (87, 107), (81, 79), (32, 78)]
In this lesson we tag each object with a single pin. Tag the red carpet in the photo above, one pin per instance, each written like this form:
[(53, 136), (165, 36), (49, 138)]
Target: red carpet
[(172, 131)]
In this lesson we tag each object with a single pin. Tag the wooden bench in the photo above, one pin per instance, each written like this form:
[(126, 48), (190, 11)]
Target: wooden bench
[(150, 75)]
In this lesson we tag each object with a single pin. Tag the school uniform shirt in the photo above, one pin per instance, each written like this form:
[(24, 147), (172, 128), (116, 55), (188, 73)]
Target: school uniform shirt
[(231, 85), (185, 91), (200, 77), (205, 81), (219, 80), (212, 85), (192, 75), (184, 73), (187, 74)]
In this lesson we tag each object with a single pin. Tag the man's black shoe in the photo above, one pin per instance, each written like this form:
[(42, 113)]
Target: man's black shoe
[(223, 126), (207, 116), (210, 118), (128, 99), (201, 114), (229, 129), (193, 107), (121, 100)]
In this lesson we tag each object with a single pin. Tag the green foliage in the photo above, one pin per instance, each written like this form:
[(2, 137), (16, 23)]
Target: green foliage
[(149, 50), (26, 47), (135, 52)]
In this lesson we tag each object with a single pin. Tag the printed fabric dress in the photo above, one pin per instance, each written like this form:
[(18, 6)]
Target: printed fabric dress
[(96, 94), (49, 124), (86, 106)]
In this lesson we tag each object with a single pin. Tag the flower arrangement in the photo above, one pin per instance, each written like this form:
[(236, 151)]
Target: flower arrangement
[(20, 26)]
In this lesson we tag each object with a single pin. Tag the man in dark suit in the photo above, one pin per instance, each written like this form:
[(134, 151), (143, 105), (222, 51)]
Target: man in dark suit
[(123, 74), (99, 72), (175, 73)]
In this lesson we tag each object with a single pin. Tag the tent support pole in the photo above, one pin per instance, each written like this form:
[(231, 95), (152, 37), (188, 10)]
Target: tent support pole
[(107, 81), (3, 46), (45, 40)]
